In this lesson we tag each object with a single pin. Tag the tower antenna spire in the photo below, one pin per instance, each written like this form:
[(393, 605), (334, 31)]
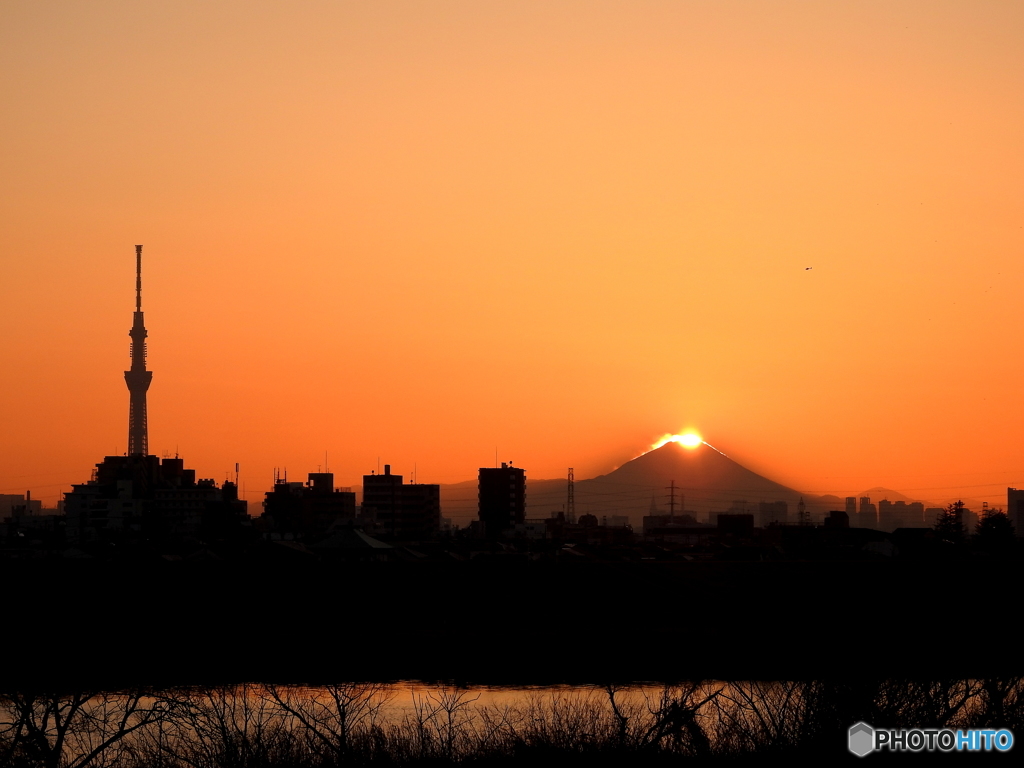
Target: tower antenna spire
[(138, 278)]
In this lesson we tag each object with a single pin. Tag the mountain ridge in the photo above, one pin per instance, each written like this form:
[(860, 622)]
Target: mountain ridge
[(705, 481)]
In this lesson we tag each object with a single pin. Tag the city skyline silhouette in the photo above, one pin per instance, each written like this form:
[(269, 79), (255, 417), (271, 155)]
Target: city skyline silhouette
[(421, 239)]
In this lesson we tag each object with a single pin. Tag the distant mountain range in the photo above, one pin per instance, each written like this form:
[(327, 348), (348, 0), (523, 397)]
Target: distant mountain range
[(878, 492), (705, 479)]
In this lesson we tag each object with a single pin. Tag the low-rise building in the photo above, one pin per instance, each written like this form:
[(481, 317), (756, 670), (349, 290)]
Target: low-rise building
[(401, 511), (142, 496)]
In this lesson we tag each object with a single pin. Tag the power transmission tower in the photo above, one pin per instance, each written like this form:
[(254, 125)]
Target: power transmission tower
[(570, 502), (803, 516)]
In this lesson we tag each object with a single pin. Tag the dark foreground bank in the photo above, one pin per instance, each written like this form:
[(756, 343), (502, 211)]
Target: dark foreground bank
[(112, 624)]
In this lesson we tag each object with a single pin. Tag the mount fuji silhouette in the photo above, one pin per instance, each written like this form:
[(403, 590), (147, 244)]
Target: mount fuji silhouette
[(705, 479)]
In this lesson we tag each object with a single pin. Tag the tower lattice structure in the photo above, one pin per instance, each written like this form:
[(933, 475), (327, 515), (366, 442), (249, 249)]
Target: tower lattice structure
[(570, 503), (138, 378)]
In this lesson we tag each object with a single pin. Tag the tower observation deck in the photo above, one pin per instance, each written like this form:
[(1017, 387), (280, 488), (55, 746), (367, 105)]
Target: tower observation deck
[(138, 378)]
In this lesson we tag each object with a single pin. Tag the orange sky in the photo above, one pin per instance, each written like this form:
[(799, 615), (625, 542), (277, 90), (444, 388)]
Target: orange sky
[(419, 231)]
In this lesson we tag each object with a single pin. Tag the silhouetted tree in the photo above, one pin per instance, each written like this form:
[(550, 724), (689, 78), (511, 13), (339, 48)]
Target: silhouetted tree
[(950, 524), (995, 532), (334, 720), (72, 730)]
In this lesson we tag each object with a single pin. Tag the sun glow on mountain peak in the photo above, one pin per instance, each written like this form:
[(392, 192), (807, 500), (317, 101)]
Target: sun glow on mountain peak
[(687, 440)]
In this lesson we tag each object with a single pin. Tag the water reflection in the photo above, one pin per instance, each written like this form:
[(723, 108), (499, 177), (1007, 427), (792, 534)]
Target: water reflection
[(408, 722)]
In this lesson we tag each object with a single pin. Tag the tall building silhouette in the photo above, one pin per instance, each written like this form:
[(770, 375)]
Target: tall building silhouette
[(868, 514), (308, 509), (1015, 509), (502, 498), (138, 378), (900, 514), (401, 510), (772, 512)]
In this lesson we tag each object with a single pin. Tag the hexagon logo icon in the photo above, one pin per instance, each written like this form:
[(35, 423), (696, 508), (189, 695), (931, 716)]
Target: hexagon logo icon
[(861, 739)]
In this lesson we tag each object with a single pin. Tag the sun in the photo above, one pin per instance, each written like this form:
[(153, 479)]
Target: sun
[(687, 440)]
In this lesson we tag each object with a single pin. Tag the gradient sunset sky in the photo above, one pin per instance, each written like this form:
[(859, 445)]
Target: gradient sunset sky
[(417, 232)]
